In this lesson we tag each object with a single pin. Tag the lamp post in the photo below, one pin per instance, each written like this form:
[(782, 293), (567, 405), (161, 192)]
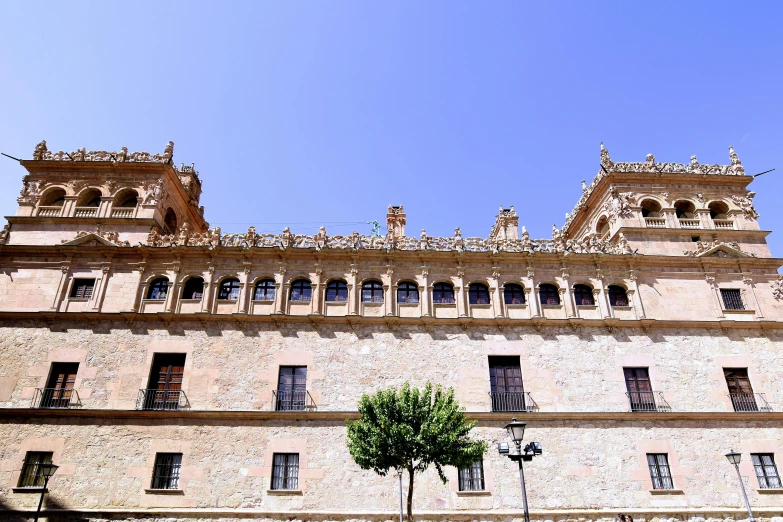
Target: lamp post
[(46, 471), (516, 430), (735, 458), (399, 476)]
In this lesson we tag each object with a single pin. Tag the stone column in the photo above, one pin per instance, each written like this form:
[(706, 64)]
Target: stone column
[(69, 206), (388, 290), (170, 291), (62, 286), (317, 287), (670, 215), (280, 290), (704, 218), (601, 299), (715, 291), (566, 297), (462, 299), (100, 288), (424, 293), (638, 306), (497, 300), (244, 290), (104, 208), (353, 301), (140, 292), (750, 296), (531, 294), (209, 290)]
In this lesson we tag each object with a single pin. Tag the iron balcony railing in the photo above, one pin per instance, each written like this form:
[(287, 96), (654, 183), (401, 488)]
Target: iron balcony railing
[(296, 400), (161, 400), (512, 401), (56, 398), (647, 401), (749, 402)]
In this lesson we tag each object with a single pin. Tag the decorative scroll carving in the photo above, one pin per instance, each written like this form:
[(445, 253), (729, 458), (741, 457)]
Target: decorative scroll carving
[(777, 288), (745, 203), (619, 204)]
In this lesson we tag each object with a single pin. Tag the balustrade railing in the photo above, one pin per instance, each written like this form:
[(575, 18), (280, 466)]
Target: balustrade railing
[(49, 211), (647, 401), (690, 223), (122, 212), (749, 402), (56, 398), (512, 401), (723, 223), (655, 222), (296, 400), (161, 400), (86, 212)]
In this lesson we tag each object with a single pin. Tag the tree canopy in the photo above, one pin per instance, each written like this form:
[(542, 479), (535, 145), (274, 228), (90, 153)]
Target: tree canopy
[(412, 429)]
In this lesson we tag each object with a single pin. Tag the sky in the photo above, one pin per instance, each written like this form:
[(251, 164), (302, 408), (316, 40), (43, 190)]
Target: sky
[(323, 113)]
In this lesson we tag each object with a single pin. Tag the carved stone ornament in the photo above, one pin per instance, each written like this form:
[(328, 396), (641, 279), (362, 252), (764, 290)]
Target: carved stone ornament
[(4, 234), (619, 204), (108, 237), (31, 190), (745, 203), (41, 152), (777, 288), (702, 247), (154, 192)]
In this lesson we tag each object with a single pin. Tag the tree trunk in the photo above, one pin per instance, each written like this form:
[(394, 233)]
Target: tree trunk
[(410, 494)]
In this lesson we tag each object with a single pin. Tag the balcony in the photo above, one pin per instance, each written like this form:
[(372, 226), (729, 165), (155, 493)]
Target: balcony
[(60, 398), (161, 400), (654, 222), (86, 212), (749, 402), (49, 211), (647, 401), (690, 223), (122, 212), (513, 402), (297, 400), (725, 224)]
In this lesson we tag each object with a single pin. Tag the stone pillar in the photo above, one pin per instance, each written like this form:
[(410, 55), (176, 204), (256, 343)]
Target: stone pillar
[(170, 291), (391, 298), (566, 298), (531, 294), (100, 287), (424, 293), (386, 281), (140, 292), (244, 290), (69, 206), (670, 215), (703, 215), (104, 208), (353, 301), (602, 299), (317, 288), (462, 299), (750, 296), (209, 290)]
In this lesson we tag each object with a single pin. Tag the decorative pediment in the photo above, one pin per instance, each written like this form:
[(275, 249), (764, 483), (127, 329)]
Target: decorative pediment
[(95, 239), (717, 249)]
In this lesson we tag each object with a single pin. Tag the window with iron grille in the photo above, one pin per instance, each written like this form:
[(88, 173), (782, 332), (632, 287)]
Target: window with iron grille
[(513, 294), (291, 391), (166, 472), (194, 288), (442, 293), (285, 471), (478, 294), (407, 293), (583, 295), (766, 471), (618, 296), (337, 291), (265, 290), (82, 288), (549, 295), (732, 299), (740, 389), (164, 387), (472, 477), (229, 290), (31, 476), (59, 387), (158, 289), (505, 384), (301, 291), (659, 471), (372, 292)]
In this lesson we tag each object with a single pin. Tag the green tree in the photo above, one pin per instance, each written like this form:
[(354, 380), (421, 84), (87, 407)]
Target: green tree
[(411, 429)]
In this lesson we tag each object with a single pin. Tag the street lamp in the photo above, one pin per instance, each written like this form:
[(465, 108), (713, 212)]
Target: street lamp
[(516, 430), (399, 476), (46, 471), (735, 458)]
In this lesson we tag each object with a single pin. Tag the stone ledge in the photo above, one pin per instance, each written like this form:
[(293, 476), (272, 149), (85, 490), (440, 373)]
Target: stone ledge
[(666, 492), (164, 491), (770, 491), (284, 492), (29, 490), (474, 493)]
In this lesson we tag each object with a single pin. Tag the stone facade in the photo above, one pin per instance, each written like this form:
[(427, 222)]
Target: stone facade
[(660, 266)]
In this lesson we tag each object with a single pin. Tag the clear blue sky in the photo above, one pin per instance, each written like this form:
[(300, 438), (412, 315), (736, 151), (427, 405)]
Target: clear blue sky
[(325, 112)]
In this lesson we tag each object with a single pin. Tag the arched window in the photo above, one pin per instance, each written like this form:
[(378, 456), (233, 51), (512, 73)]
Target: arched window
[(549, 294), (158, 289), (126, 199), (478, 293), (407, 293), (583, 295), (89, 198), (229, 289), (265, 290), (301, 291), (651, 208), (684, 209), (170, 220), (337, 290), (718, 210), (53, 198), (617, 296), (194, 288), (372, 292), (513, 294), (602, 228), (442, 293)]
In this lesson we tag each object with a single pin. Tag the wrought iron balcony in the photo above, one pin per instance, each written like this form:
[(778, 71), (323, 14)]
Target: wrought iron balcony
[(161, 400), (297, 400), (749, 402), (648, 401), (56, 398), (512, 401)]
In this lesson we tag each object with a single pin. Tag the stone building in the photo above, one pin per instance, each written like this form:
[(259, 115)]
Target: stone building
[(173, 370)]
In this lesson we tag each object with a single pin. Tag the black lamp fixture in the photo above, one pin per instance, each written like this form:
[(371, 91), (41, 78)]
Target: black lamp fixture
[(735, 459), (46, 471), (516, 430)]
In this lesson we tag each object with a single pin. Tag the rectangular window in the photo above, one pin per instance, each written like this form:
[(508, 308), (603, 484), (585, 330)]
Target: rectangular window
[(640, 394), (659, 471), (82, 288), (766, 471), (291, 394), (285, 471), (166, 472), (505, 384), (740, 390), (59, 387), (164, 387), (732, 299), (31, 476), (472, 478)]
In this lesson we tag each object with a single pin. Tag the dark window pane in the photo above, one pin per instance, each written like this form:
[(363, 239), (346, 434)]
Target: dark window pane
[(659, 471), (740, 390), (478, 294), (158, 289), (766, 470), (167, 470), (549, 294), (194, 288), (732, 299), (285, 471), (372, 292), (229, 290), (291, 393), (301, 291), (407, 293), (31, 476), (82, 288), (513, 294), (617, 296), (442, 293), (265, 290), (337, 291), (472, 478), (583, 295)]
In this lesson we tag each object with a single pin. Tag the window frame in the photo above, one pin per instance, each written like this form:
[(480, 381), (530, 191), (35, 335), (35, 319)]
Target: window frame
[(766, 480), (440, 292), (580, 292), (514, 290), (336, 291), (285, 463), (615, 292), (167, 474), (158, 289), (660, 481), (267, 288), (475, 291), (229, 289), (410, 289), (82, 288), (472, 477), (373, 287), (545, 293), (735, 302), (305, 291), (187, 287), (34, 479)]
